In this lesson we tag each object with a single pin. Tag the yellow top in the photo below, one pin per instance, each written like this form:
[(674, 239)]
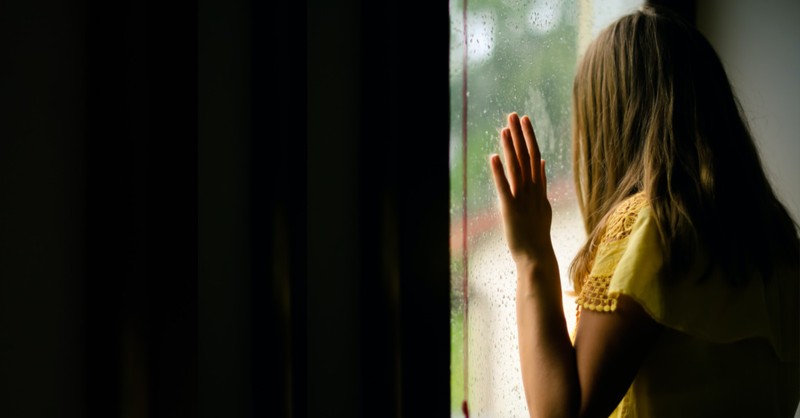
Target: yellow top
[(725, 351)]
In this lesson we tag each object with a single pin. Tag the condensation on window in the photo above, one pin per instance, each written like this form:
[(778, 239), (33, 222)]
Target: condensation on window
[(520, 57)]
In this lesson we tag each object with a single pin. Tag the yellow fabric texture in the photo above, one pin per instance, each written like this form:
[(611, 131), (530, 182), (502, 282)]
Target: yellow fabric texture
[(725, 350)]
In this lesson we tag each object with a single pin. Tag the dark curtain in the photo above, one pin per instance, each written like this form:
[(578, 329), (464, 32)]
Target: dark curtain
[(228, 209)]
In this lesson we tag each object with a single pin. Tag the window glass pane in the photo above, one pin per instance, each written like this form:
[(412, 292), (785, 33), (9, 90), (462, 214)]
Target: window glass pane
[(521, 56)]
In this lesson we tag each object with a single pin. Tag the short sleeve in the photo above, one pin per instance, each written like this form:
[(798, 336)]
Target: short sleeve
[(629, 261), (595, 291)]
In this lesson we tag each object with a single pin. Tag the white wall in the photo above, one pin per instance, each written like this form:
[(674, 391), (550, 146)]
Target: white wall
[(759, 44)]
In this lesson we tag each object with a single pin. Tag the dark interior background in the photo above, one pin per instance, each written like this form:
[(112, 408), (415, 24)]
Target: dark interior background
[(224, 208)]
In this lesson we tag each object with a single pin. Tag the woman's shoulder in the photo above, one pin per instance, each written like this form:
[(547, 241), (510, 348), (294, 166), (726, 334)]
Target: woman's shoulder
[(620, 224), (623, 217), (630, 260)]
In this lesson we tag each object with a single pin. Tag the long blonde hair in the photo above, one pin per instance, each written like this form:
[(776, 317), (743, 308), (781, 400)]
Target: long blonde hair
[(654, 112)]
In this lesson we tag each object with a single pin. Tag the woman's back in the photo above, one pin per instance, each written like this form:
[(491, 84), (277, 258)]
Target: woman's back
[(685, 376), (723, 350)]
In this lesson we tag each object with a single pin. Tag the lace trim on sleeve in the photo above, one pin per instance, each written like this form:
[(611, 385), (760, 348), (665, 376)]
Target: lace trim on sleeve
[(594, 290), (594, 295)]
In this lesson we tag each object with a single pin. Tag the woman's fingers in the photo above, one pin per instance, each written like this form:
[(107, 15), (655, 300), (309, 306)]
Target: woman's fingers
[(533, 147), (544, 179), (500, 182), (514, 170), (523, 156)]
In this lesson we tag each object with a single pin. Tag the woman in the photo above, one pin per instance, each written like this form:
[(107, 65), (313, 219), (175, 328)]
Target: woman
[(688, 281)]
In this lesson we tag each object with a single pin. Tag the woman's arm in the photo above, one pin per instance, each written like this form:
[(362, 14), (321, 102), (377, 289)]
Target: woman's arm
[(560, 380), (547, 358)]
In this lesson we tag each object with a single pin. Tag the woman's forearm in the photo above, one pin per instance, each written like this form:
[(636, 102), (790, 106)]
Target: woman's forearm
[(547, 357)]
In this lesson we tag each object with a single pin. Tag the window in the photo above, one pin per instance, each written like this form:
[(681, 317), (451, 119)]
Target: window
[(520, 56)]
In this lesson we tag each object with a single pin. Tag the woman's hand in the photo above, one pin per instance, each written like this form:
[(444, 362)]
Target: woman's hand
[(527, 214)]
